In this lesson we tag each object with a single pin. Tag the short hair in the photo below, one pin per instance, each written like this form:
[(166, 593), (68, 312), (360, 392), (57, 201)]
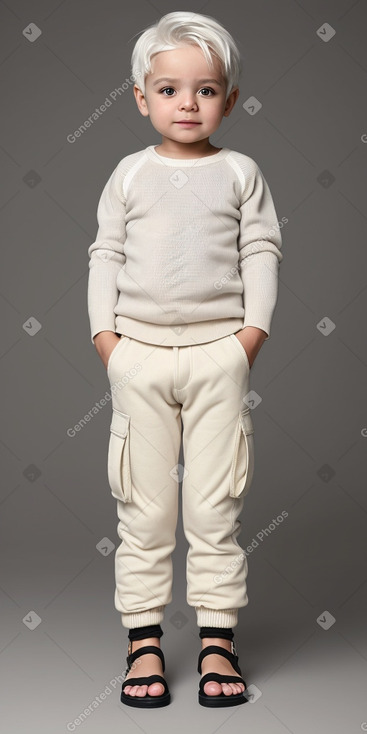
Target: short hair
[(178, 29)]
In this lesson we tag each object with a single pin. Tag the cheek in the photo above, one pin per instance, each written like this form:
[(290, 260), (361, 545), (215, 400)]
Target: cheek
[(156, 110), (160, 107), (216, 110)]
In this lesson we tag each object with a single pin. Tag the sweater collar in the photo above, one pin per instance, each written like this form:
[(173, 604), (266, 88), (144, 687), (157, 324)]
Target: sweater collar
[(181, 162)]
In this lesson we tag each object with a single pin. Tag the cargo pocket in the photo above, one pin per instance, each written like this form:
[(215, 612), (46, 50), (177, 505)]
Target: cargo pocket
[(118, 464), (242, 468)]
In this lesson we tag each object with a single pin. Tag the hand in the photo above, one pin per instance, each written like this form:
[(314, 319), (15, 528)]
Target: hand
[(105, 342), (252, 340)]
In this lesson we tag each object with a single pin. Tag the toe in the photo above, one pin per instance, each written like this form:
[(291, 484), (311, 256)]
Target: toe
[(142, 691), (227, 690), (156, 689), (235, 688), (133, 690), (212, 688)]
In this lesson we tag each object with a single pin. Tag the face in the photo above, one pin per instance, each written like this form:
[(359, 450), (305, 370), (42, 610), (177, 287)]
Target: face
[(179, 89)]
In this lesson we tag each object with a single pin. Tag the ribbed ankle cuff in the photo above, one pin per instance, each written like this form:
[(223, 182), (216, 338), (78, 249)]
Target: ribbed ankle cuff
[(216, 617), (142, 619)]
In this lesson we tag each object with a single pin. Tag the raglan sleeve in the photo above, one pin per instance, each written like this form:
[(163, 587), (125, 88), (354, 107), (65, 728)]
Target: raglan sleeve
[(106, 255), (259, 246)]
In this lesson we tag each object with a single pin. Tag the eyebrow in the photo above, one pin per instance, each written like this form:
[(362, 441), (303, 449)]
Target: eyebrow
[(199, 81)]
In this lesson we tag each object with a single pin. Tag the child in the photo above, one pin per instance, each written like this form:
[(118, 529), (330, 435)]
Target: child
[(182, 287)]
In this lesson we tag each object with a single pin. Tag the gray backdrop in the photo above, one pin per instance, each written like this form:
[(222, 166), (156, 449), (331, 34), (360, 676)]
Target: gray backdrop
[(302, 638)]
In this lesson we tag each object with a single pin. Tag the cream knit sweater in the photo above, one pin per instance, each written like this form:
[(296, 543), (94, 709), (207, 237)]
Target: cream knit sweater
[(187, 250)]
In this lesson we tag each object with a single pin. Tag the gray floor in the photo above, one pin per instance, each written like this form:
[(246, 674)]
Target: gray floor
[(302, 639), (307, 671)]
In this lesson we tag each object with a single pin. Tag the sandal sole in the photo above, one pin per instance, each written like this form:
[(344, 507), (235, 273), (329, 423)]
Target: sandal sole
[(147, 701), (222, 700)]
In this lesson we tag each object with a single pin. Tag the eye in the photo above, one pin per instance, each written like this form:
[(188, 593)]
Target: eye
[(208, 89)]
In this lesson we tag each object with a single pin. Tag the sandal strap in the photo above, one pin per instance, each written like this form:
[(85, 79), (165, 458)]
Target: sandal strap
[(220, 679), (147, 649), (146, 680), (210, 649)]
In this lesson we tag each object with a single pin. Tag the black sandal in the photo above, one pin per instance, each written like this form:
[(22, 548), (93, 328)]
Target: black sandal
[(222, 700), (146, 701)]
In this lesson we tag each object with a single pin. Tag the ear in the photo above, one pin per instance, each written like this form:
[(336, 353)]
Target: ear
[(231, 101), (140, 101)]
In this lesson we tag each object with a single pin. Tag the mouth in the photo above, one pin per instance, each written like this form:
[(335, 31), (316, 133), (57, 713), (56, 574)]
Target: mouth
[(187, 122)]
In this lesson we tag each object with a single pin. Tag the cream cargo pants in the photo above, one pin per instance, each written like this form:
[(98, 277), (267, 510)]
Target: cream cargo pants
[(156, 392)]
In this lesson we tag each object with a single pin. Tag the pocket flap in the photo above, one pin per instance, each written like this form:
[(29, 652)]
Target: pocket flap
[(118, 462), (243, 460), (246, 420), (120, 423)]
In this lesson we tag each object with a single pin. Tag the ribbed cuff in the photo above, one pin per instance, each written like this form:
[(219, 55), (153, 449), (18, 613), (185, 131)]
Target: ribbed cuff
[(141, 619), (216, 617)]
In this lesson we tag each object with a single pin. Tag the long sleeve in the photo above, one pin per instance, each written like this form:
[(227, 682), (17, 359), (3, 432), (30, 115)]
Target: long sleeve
[(259, 250), (107, 255)]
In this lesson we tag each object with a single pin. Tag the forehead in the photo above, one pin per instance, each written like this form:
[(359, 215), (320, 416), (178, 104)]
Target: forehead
[(183, 63)]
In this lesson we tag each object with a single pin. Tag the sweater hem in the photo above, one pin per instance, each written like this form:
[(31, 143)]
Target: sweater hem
[(177, 336)]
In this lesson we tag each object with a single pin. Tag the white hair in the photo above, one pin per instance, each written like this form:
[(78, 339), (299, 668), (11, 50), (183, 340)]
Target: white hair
[(178, 29)]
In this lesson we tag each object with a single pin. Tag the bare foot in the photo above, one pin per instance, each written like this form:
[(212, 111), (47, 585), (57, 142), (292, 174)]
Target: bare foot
[(148, 664), (214, 663)]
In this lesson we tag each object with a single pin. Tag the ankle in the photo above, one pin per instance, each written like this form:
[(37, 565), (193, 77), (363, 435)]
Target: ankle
[(137, 644), (220, 641)]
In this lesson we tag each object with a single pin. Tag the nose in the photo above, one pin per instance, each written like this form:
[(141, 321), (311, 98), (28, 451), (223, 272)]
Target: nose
[(188, 101)]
